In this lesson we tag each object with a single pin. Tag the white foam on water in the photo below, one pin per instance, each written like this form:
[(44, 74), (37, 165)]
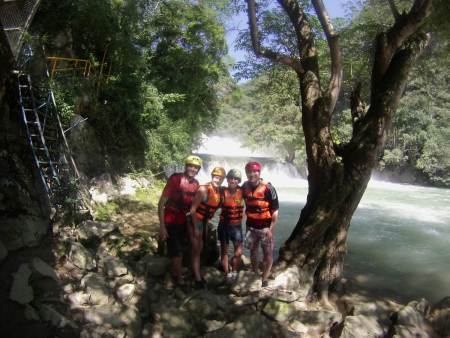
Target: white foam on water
[(227, 146)]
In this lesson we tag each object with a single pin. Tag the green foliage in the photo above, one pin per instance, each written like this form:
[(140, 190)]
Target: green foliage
[(105, 212), (166, 62), (150, 195), (265, 113)]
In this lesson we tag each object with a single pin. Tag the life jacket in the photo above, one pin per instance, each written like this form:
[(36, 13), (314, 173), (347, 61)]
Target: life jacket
[(181, 198), (256, 206), (232, 207), (205, 211)]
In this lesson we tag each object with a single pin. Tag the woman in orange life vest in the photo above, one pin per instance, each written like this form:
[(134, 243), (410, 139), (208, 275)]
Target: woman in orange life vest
[(205, 204), (230, 224), (173, 208), (261, 208)]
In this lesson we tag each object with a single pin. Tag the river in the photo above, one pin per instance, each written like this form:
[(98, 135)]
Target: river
[(399, 237)]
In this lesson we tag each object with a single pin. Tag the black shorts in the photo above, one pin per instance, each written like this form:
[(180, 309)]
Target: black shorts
[(230, 232), (177, 239)]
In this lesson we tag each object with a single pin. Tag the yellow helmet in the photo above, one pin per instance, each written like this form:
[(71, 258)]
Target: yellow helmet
[(193, 160), (218, 171)]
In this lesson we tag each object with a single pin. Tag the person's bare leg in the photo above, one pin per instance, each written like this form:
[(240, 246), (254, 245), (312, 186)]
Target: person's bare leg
[(224, 256), (176, 268), (267, 265), (236, 260), (254, 257), (195, 238)]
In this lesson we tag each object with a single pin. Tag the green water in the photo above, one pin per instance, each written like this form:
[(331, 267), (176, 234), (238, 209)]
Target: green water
[(398, 242)]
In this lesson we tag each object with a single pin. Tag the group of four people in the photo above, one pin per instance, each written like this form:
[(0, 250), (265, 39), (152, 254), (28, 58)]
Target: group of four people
[(185, 208)]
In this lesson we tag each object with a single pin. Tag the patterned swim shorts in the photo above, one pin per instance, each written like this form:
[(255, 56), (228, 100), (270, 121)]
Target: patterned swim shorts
[(254, 237)]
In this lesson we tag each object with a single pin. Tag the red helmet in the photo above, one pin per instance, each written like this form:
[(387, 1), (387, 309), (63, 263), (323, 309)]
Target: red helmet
[(253, 166)]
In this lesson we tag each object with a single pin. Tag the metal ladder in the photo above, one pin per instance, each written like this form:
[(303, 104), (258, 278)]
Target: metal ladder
[(46, 138), (41, 136)]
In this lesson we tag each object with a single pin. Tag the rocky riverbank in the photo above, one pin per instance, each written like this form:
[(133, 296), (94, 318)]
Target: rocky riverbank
[(107, 279)]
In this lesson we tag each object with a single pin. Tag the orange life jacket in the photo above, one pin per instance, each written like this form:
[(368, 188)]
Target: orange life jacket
[(232, 207), (205, 211), (256, 206)]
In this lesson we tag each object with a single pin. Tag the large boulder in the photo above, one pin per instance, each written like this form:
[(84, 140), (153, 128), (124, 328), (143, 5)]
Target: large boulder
[(440, 317), (81, 257), (114, 267), (23, 231), (43, 268), (97, 288), (411, 322), (21, 292), (362, 326), (128, 185), (102, 188), (92, 229)]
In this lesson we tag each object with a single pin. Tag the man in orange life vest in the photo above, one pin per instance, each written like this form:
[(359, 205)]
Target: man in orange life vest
[(261, 208), (230, 223), (173, 211), (204, 205)]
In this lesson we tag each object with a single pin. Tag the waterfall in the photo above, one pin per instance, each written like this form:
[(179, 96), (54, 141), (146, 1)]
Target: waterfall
[(229, 153)]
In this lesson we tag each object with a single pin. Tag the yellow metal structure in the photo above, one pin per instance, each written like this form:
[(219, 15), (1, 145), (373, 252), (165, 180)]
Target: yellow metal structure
[(75, 67)]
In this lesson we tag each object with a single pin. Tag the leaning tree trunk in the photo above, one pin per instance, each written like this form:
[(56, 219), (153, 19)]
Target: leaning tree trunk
[(338, 175)]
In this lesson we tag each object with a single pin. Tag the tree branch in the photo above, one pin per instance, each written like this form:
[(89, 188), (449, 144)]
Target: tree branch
[(264, 52), (394, 10), (334, 87), (389, 42)]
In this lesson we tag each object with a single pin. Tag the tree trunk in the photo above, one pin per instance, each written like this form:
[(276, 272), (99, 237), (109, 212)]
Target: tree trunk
[(318, 243), (338, 174)]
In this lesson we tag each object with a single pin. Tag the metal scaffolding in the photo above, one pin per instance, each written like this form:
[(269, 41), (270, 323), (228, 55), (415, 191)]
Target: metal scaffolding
[(15, 18)]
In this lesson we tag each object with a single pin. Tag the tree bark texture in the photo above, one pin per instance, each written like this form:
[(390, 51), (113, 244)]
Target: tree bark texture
[(338, 175)]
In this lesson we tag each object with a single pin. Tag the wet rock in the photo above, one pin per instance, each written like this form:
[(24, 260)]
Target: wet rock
[(362, 326), (90, 229), (381, 310), (21, 292), (114, 267), (412, 323), (81, 257), (43, 268), (440, 317)]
